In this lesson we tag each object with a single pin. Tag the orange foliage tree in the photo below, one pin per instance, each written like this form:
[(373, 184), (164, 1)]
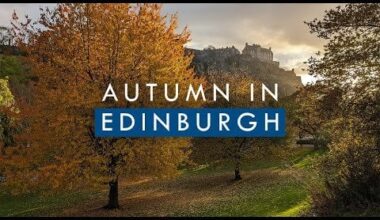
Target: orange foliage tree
[(234, 149), (75, 51)]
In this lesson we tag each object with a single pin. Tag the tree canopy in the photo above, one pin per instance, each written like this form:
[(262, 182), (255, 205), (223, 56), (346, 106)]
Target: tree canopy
[(75, 51)]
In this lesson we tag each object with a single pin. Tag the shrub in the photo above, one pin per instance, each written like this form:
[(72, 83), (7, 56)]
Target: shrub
[(350, 175)]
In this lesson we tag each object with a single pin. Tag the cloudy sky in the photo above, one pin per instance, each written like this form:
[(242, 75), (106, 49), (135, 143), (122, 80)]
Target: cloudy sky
[(279, 26)]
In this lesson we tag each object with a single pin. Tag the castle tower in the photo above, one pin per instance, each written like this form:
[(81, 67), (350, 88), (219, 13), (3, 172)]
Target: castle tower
[(256, 51)]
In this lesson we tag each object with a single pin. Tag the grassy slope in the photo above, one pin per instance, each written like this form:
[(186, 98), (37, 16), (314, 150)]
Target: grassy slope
[(268, 188)]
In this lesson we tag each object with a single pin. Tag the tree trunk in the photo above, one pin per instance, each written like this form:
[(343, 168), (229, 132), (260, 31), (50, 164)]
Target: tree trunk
[(238, 158), (316, 143), (2, 150), (113, 195), (237, 171)]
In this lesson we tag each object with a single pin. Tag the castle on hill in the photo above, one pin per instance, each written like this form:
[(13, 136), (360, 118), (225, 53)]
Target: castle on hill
[(253, 59), (253, 51)]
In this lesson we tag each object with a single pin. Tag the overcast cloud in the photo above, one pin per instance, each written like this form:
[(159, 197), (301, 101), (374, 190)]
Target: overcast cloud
[(279, 26)]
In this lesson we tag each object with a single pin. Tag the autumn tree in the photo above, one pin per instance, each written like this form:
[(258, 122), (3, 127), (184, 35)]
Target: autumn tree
[(349, 69), (351, 61), (234, 149), (6, 128), (15, 84), (313, 113), (76, 51)]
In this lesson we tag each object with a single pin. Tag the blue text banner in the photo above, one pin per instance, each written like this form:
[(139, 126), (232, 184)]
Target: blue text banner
[(190, 122)]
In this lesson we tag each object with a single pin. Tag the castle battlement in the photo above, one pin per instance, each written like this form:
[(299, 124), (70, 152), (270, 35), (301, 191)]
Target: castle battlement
[(256, 51)]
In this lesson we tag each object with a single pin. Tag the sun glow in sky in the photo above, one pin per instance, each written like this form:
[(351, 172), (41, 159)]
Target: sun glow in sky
[(279, 26)]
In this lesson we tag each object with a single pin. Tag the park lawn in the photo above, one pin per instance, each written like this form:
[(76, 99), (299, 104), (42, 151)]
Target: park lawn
[(36, 205), (268, 188)]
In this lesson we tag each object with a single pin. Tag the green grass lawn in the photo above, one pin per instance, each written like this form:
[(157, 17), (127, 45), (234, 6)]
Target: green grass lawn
[(268, 188), (278, 194), (31, 205)]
